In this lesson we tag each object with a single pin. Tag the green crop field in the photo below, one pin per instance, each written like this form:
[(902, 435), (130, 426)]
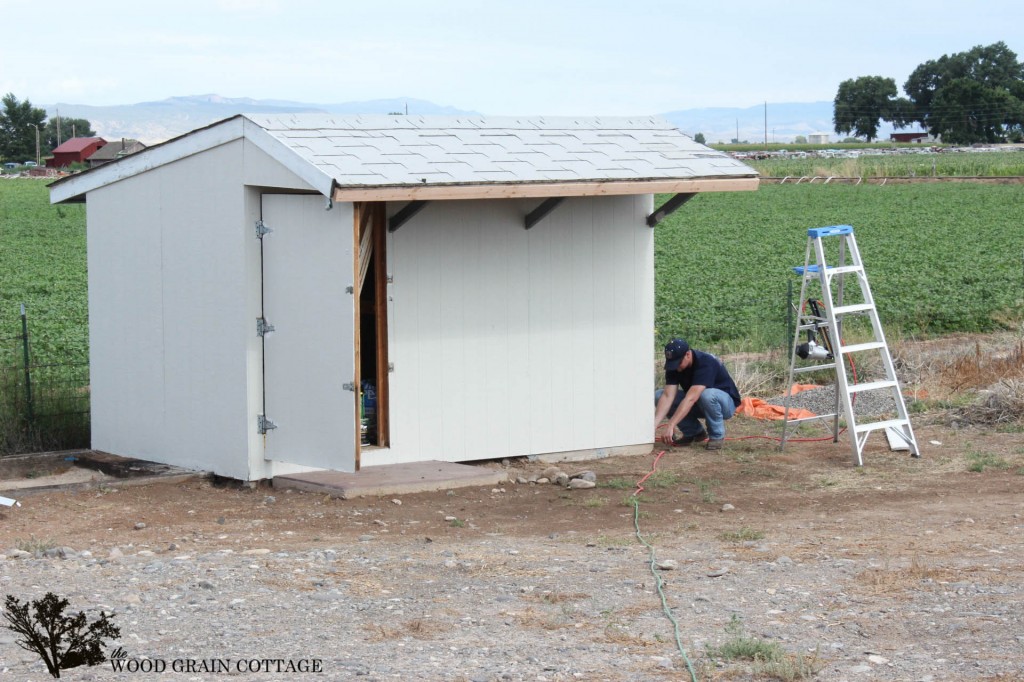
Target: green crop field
[(42, 264), (940, 258), (960, 164)]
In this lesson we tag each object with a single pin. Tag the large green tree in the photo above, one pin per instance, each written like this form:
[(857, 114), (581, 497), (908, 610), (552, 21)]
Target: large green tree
[(972, 96), (862, 103), (19, 122), (69, 127)]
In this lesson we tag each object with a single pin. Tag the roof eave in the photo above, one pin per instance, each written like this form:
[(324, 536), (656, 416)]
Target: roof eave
[(543, 189), (73, 188)]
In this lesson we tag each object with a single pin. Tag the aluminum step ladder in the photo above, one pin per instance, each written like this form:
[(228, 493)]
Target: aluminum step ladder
[(826, 317)]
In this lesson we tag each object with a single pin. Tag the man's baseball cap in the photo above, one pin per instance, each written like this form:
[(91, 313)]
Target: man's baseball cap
[(675, 350)]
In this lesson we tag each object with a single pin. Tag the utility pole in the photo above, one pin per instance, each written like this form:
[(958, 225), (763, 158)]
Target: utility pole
[(766, 124), (36, 126)]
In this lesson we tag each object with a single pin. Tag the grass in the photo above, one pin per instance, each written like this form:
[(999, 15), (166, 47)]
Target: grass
[(744, 534), (769, 658), (989, 164), (977, 462), (34, 545), (940, 258)]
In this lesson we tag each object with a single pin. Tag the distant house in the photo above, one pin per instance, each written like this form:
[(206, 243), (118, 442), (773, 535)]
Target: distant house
[(818, 138), (75, 150), (115, 150), (917, 136)]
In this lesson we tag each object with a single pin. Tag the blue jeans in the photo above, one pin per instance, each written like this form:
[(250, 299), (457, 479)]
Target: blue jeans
[(714, 407)]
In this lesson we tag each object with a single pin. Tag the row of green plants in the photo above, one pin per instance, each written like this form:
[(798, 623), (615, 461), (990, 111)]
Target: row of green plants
[(954, 164), (940, 258)]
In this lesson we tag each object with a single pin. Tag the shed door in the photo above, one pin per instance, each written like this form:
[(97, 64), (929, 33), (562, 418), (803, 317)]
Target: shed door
[(310, 356)]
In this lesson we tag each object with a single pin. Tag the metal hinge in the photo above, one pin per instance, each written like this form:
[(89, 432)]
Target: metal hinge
[(349, 387), (261, 229), (350, 290), (391, 367), (264, 424), (263, 327)]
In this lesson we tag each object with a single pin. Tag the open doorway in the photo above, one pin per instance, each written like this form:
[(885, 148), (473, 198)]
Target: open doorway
[(371, 324)]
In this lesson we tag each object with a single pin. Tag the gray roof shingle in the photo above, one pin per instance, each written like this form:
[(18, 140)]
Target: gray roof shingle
[(364, 151)]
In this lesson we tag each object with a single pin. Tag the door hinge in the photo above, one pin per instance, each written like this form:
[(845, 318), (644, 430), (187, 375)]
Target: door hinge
[(350, 290), (349, 387), (261, 229), (264, 424), (263, 327), (391, 367)]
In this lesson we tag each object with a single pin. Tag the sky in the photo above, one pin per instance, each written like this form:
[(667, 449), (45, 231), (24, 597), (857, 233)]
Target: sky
[(496, 57)]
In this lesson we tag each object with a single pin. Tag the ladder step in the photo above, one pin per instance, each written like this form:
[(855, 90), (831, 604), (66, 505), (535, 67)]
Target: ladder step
[(815, 417), (858, 347), (871, 386), (830, 270), (857, 308), (813, 368), (873, 426)]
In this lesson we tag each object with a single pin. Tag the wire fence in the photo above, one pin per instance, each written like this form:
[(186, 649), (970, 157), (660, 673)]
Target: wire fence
[(43, 405)]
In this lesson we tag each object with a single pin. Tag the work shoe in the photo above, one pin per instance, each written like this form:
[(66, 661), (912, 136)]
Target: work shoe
[(684, 441), (715, 444)]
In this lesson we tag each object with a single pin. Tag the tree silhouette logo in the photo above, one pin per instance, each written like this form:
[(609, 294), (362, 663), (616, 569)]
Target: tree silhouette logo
[(62, 641)]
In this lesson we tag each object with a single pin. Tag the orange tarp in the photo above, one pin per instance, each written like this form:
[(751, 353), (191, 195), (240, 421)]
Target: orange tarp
[(759, 409)]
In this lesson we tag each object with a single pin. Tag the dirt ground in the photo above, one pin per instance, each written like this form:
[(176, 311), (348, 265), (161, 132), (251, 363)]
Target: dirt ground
[(772, 492), (952, 515)]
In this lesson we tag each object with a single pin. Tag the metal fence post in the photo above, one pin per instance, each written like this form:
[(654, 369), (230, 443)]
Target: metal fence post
[(28, 373), (789, 314)]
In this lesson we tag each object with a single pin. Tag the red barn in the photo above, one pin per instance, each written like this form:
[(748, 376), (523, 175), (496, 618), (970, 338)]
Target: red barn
[(75, 150)]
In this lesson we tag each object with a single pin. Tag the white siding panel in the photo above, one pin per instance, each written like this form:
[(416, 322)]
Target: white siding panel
[(511, 342), (126, 334), (168, 334)]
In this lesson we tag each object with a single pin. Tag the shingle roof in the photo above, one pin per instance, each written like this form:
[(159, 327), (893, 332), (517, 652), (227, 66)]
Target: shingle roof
[(76, 144), (362, 151)]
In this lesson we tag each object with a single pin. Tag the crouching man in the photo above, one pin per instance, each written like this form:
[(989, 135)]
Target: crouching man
[(697, 386)]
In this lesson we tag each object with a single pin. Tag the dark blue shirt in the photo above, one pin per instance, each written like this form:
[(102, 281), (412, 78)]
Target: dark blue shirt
[(706, 370)]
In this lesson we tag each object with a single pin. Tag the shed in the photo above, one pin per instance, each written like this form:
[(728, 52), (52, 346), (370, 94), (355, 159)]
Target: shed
[(75, 150), (490, 280)]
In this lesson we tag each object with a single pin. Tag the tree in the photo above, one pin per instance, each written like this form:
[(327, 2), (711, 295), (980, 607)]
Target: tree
[(699, 138), (862, 103), (18, 122), (799, 139), (61, 641), (69, 127), (973, 96)]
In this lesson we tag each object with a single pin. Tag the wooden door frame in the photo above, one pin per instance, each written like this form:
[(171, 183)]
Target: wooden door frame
[(372, 216)]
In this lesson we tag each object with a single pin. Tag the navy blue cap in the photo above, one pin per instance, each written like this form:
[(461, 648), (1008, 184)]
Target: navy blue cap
[(675, 351)]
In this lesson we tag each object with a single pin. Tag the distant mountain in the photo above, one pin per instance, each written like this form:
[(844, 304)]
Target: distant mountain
[(781, 122), (154, 122)]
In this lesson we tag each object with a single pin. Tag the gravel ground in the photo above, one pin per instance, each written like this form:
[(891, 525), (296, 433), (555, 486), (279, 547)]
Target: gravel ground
[(905, 569)]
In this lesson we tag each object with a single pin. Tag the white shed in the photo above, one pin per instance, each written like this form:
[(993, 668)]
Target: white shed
[(491, 279)]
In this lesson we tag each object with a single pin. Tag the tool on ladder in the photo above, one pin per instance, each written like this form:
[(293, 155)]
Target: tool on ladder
[(825, 318)]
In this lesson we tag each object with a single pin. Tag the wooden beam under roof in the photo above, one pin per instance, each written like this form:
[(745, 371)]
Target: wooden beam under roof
[(542, 189), (668, 208)]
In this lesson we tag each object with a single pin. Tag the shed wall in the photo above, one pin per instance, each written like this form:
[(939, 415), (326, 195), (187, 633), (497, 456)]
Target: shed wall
[(508, 342), (171, 265)]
